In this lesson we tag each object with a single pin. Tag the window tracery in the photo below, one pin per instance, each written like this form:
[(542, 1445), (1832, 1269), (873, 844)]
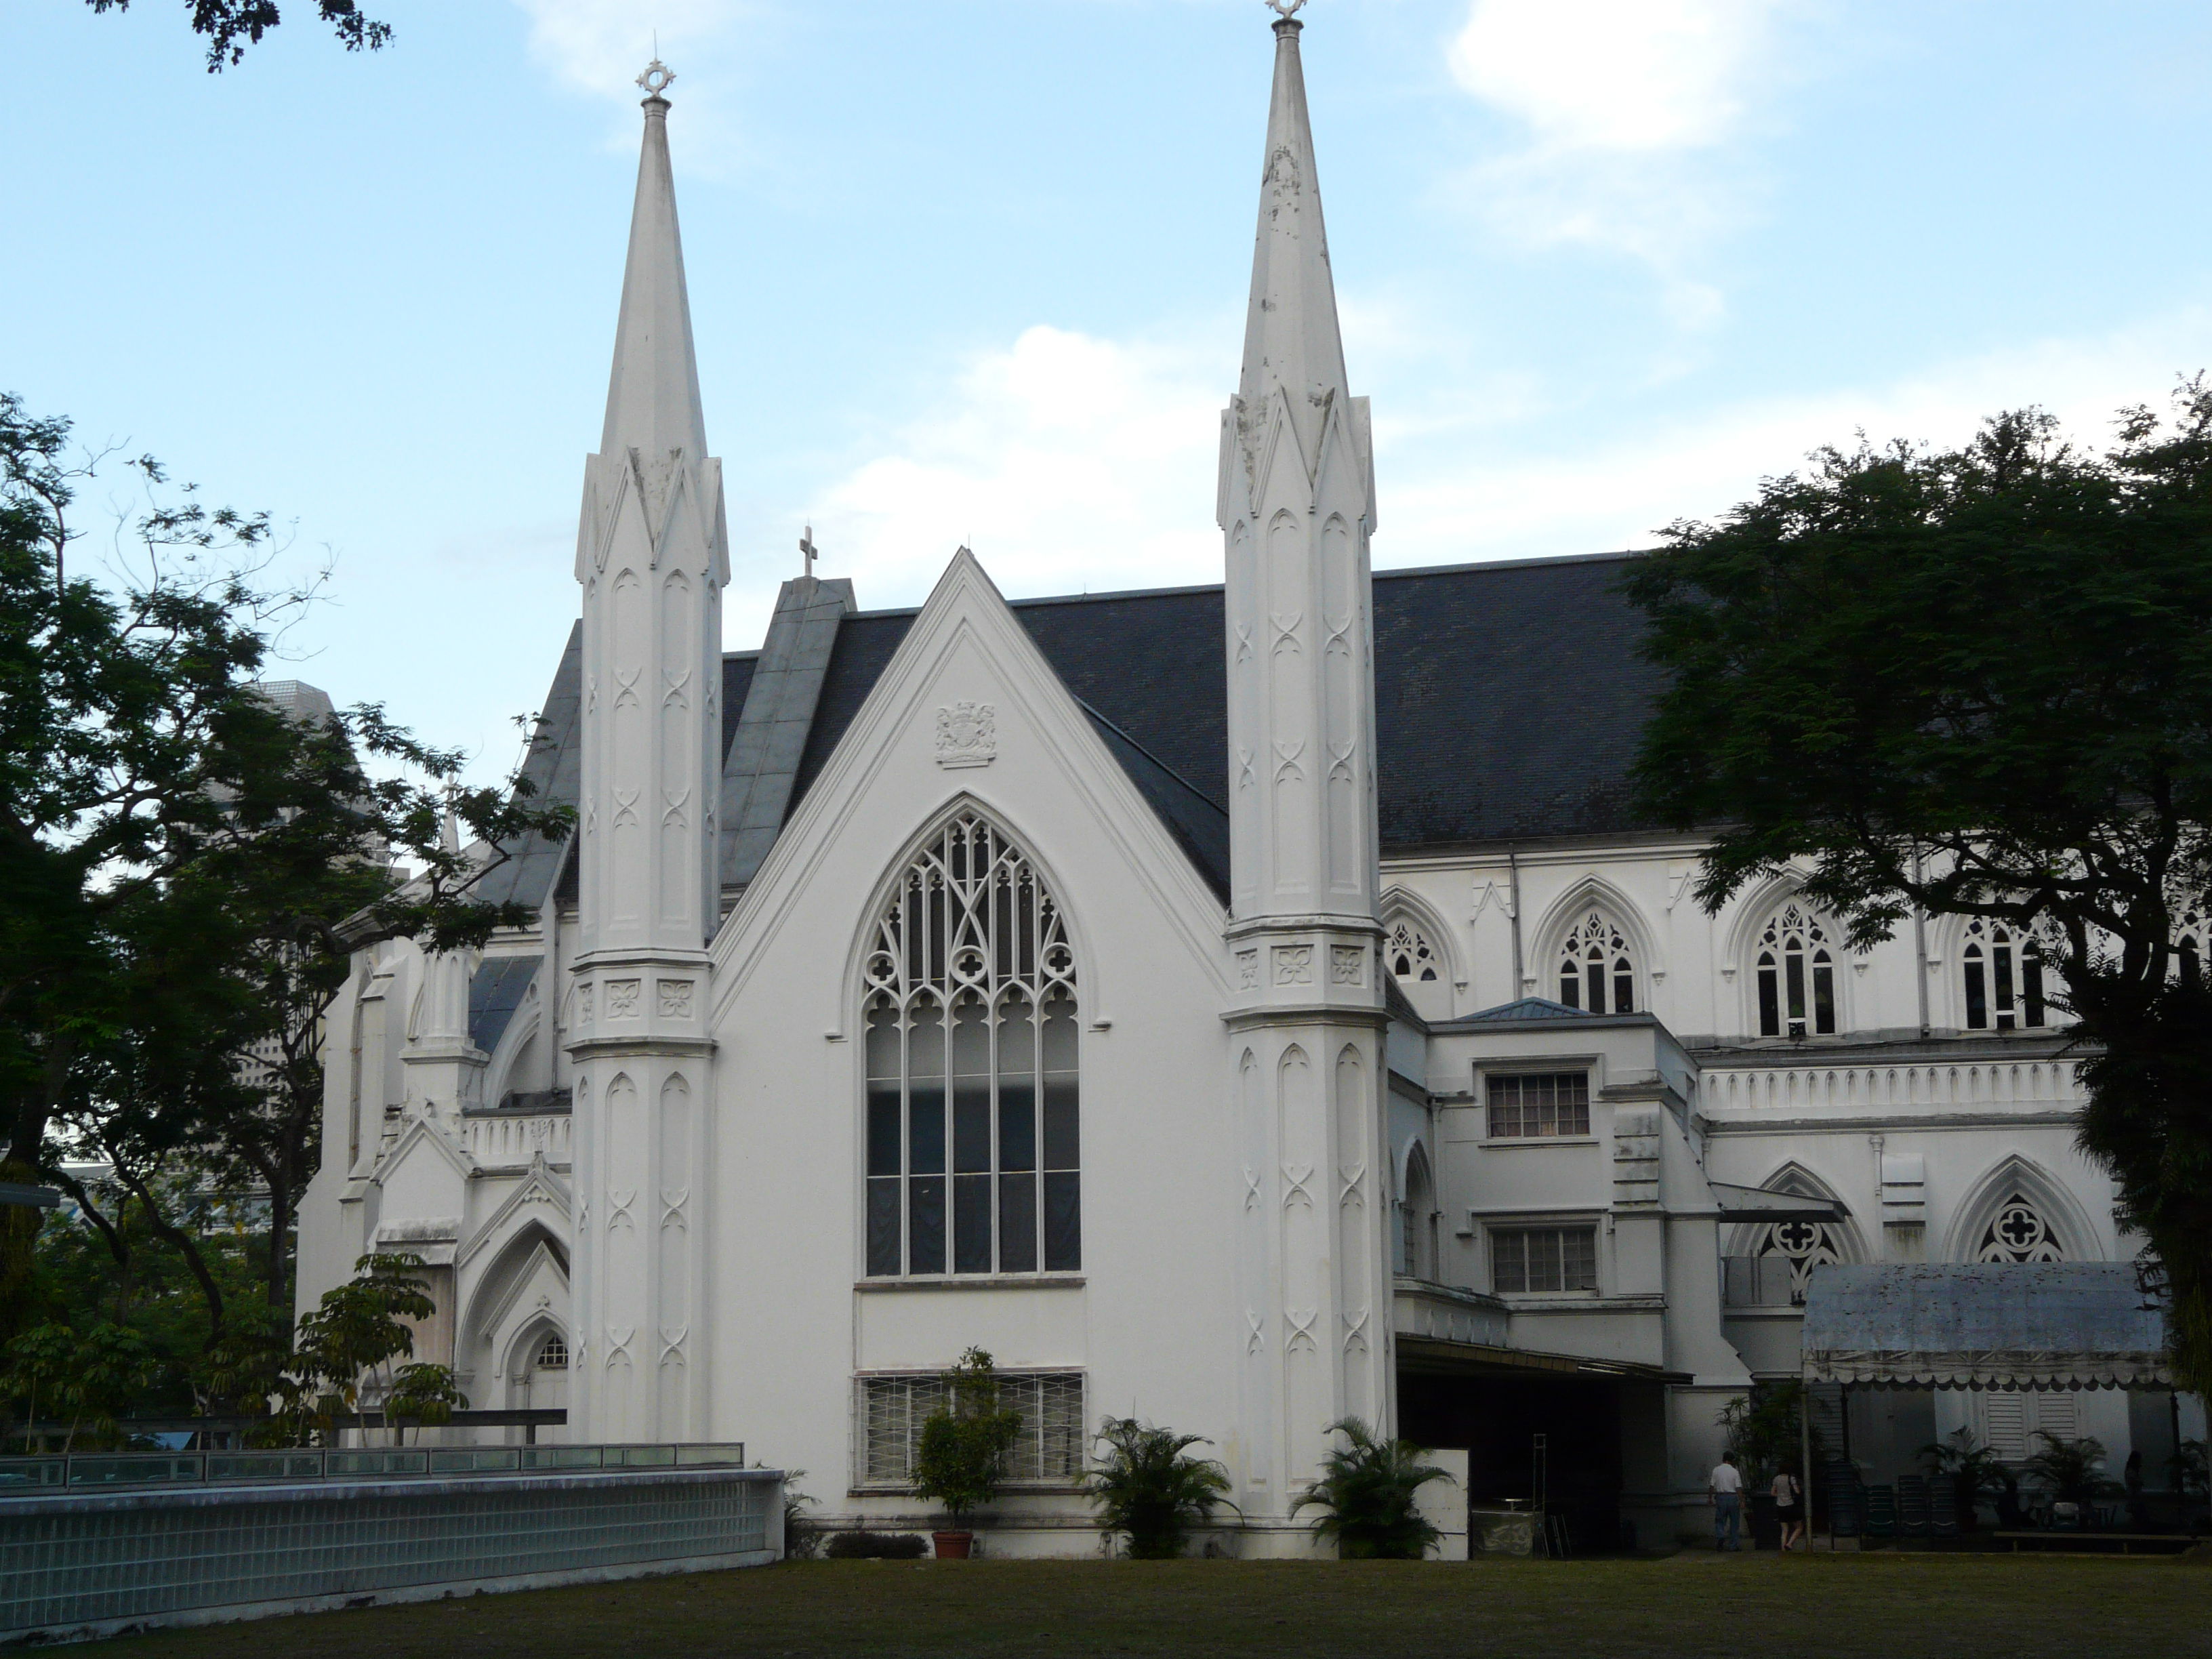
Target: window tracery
[(2002, 975), (1597, 971), (1796, 975), (1412, 957), (2018, 1232), (973, 1097), (1804, 1245)]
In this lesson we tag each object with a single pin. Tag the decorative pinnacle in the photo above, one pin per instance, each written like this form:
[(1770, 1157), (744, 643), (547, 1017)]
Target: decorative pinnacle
[(658, 75), (1286, 9)]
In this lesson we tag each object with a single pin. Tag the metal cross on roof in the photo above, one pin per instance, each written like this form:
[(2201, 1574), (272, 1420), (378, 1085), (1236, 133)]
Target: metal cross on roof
[(806, 546)]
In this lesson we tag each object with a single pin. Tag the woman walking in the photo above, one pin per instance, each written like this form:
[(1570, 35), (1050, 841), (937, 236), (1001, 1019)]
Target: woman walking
[(1788, 1508)]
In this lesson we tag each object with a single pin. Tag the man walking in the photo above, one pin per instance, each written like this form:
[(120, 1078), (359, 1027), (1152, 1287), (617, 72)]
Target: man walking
[(1724, 1486)]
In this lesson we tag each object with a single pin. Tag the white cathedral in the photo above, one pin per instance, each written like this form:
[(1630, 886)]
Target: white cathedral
[(1240, 1006)]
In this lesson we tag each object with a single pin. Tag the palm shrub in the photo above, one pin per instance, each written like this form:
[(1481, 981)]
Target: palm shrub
[(1147, 1486), (1972, 1469), (2068, 1467), (1367, 1491), (964, 1441)]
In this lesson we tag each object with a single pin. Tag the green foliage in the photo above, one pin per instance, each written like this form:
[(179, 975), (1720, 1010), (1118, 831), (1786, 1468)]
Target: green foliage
[(1367, 1491), (2070, 1468), (1766, 1432), (1979, 683), (1146, 1485), (231, 26), (87, 1377), (2191, 1471), (962, 1458), (186, 873)]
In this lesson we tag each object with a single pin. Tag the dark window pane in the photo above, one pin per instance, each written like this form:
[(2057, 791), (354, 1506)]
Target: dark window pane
[(2031, 983), (1594, 976), (1578, 1259), (1770, 1008), (1017, 1250), (1017, 1124), (884, 1128), (1977, 1001), (1570, 985), (1062, 1147), (1509, 1260), (1624, 992), (1544, 1259), (1063, 1222), (925, 1147), (884, 1226), (971, 1126), (925, 1223), (882, 1044), (1824, 997), (971, 1223), (2003, 966), (1793, 965), (1060, 1034)]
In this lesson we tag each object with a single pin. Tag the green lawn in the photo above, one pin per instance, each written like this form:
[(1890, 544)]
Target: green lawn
[(1882, 1606)]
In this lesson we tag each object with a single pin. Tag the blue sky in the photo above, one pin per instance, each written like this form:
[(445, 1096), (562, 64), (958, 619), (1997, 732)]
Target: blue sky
[(974, 269)]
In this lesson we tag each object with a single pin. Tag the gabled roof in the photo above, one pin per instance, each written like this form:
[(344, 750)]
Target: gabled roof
[(1509, 697)]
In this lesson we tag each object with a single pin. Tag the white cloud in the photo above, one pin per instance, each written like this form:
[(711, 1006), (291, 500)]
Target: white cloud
[(1066, 461), (1627, 106)]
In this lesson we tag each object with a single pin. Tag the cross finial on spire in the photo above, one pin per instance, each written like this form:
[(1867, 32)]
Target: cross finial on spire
[(658, 75), (807, 547)]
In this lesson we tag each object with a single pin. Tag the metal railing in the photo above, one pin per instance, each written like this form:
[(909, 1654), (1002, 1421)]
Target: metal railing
[(108, 1471)]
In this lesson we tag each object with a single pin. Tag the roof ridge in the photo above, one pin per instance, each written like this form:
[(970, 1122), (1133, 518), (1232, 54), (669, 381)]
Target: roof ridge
[(1122, 733)]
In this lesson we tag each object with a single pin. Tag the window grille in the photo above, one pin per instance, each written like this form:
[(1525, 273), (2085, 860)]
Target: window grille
[(973, 1132), (1527, 1104), (552, 1354), (2018, 1232), (1592, 957), (1537, 1258), (1796, 976), (2003, 977), (891, 1411), (1412, 957)]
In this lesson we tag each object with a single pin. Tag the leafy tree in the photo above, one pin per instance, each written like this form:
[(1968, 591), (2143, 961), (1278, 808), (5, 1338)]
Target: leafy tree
[(1766, 1431), (1973, 1470), (231, 26), (2070, 1468), (186, 871), (1978, 683), (962, 1458), (1146, 1485), (1368, 1492), (89, 1376)]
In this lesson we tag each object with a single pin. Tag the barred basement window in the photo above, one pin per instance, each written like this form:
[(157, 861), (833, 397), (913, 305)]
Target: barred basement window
[(2003, 977), (1535, 1259), (892, 1409), (1593, 957), (1527, 1104), (1796, 976), (974, 1131)]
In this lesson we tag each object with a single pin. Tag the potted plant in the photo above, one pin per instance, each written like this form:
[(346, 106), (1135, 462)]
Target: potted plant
[(1971, 1470), (1147, 1487), (1367, 1490), (962, 1458), (2069, 1468)]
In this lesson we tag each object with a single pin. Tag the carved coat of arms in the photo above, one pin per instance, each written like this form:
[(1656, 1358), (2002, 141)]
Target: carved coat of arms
[(967, 734)]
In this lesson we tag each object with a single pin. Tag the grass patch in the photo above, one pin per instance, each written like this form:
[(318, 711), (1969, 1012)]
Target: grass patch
[(1881, 1606)]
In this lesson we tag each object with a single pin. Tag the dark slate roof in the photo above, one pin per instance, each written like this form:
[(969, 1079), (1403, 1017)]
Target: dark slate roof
[(1509, 700), (555, 765), (494, 993)]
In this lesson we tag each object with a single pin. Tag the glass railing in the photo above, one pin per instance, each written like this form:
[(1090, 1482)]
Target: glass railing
[(24, 1477)]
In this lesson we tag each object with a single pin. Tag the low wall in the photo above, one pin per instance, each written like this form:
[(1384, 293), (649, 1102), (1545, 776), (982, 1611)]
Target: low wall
[(82, 1564)]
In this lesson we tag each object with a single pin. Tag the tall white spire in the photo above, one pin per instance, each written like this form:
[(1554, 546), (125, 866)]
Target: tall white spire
[(1307, 1019), (651, 553)]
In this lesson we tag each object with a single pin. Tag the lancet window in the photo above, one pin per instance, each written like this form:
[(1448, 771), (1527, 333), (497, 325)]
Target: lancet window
[(2003, 977), (2018, 1232), (1412, 957), (1804, 1245), (1796, 975), (973, 1132), (1597, 971)]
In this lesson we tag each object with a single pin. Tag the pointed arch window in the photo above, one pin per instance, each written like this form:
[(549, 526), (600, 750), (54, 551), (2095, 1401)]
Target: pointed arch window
[(1796, 975), (974, 1131), (1597, 971), (1412, 957), (1414, 1214), (2018, 1232), (1804, 1245), (2002, 971)]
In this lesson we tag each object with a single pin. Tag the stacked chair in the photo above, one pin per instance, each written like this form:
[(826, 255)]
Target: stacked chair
[(1913, 1519)]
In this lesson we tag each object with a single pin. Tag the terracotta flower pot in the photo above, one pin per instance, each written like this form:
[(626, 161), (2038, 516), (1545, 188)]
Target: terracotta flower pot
[(952, 1546)]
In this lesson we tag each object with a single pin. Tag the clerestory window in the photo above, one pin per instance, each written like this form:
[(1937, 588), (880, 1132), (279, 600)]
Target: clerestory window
[(1412, 957), (2018, 1232), (974, 1131), (2003, 975), (1796, 976), (1595, 971)]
